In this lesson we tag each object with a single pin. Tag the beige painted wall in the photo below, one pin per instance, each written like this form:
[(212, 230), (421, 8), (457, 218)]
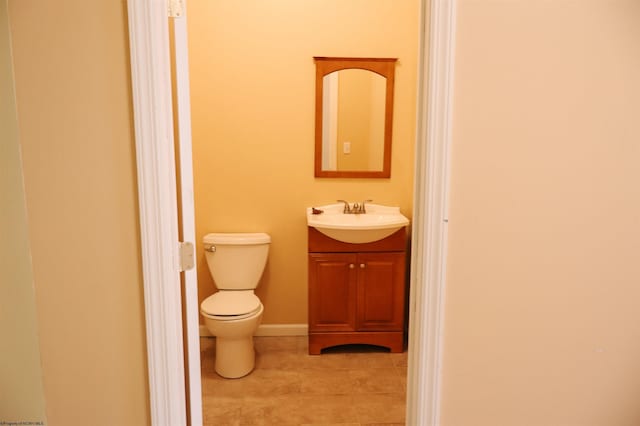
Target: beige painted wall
[(75, 123), (542, 322), (21, 376), (252, 90)]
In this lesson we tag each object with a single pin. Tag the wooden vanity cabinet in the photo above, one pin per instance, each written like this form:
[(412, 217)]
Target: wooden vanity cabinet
[(356, 292)]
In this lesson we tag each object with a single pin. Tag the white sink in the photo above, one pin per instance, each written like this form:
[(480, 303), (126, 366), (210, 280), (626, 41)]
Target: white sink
[(377, 223)]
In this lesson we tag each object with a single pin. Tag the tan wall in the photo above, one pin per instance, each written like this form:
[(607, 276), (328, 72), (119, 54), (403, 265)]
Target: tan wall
[(21, 384), (252, 87), (75, 122), (542, 322)]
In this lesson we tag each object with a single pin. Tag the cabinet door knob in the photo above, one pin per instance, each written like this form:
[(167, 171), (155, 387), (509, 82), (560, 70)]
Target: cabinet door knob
[(351, 266), (362, 265)]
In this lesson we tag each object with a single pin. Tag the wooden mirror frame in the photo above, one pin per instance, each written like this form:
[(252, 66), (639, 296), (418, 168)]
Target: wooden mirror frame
[(382, 66)]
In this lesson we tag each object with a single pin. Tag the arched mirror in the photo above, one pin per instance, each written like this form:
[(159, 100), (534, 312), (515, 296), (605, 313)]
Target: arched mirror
[(354, 117)]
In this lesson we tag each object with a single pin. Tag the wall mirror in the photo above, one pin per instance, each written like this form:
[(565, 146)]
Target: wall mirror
[(354, 117)]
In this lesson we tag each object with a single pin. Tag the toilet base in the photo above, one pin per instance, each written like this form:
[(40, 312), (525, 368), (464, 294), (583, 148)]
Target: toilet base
[(235, 358)]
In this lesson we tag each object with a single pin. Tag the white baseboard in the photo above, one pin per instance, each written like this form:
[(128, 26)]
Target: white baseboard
[(271, 330)]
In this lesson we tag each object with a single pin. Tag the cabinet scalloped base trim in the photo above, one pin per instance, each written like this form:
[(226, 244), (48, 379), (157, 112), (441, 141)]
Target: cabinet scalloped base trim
[(394, 340)]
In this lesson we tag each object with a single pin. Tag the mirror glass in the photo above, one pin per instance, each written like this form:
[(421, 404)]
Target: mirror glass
[(353, 120), (354, 110)]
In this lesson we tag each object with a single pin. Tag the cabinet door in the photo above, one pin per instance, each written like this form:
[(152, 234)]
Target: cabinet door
[(332, 292), (380, 305)]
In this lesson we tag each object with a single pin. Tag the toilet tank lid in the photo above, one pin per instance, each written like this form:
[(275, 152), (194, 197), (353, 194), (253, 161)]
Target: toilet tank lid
[(238, 238), (230, 302)]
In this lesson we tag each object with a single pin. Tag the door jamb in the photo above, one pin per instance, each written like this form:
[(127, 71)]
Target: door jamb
[(430, 211), (158, 210)]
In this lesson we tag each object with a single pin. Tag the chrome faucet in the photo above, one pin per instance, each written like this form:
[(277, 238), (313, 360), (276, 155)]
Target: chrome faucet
[(356, 209), (347, 209), (361, 208)]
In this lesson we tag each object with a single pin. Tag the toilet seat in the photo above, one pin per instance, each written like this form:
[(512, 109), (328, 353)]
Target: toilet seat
[(224, 318), (231, 305)]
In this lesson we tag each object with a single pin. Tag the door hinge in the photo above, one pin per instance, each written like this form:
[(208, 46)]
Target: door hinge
[(187, 256), (175, 8)]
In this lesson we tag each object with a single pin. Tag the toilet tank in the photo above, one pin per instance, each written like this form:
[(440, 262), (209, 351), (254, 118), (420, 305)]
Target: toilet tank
[(236, 260)]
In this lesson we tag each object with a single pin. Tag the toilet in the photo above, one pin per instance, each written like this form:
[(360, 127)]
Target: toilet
[(232, 314)]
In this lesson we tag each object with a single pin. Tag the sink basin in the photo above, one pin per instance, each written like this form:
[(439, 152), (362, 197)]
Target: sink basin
[(379, 222)]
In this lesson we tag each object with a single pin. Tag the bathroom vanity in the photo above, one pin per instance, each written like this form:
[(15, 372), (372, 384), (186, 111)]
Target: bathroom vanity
[(357, 291)]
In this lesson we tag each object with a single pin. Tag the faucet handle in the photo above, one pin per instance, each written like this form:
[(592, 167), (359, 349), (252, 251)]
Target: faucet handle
[(346, 209), (362, 207)]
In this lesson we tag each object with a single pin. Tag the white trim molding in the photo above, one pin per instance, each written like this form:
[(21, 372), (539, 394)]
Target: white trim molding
[(430, 215), (187, 209), (151, 82), (272, 330)]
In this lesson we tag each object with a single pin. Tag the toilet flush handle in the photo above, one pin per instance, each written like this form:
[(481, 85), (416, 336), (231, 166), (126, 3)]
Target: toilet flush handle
[(210, 247)]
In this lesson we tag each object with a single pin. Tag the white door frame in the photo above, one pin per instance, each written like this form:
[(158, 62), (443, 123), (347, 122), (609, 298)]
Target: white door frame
[(191, 314), (430, 210), (151, 83), (153, 120)]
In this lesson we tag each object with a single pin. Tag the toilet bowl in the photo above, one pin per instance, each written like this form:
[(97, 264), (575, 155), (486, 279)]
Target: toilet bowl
[(233, 313), (235, 355)]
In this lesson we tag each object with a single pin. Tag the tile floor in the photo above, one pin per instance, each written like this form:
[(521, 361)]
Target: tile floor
[(349, 386)]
